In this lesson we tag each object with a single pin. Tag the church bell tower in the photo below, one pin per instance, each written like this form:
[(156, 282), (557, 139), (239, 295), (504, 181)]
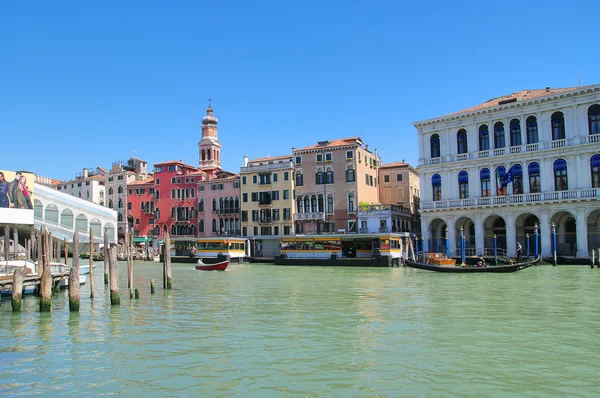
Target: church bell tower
[(209, 147)]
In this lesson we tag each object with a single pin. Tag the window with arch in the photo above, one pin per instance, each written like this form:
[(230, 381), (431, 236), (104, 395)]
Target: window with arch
[(157, 214), (351, 207), (434, 143), (214, 204), (532, 130), (329, 204), (463, 184), (299, 179), (201, 226), (201, 205), (558, 126), (173, 193), (533, 170), (120, 204), (594, 119), (595, 165), (120, 189), (436, 185), (319, 177), (499, 135), (350, 174), (515, 132), (517, 179), (561, 182), (110, 190), (329, 176), (172, 212), (156, 230), (173, 230), (461, 141), (110, 204), (486, 187), (320, 204), (221, 206), (214, 225), (299, 204), (306, 205), (484, 138), (313, 204), (165, 228)]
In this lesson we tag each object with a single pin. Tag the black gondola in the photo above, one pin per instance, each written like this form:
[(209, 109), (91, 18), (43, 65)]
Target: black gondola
[(466, 269)]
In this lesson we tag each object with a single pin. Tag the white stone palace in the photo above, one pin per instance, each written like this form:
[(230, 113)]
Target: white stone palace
[(502, 167)]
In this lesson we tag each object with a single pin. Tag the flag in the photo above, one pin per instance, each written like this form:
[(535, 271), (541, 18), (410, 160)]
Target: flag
[(499, 182), (508, 176)]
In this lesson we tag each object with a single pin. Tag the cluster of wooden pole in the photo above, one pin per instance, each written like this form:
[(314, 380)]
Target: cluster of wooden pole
[(43, 249)]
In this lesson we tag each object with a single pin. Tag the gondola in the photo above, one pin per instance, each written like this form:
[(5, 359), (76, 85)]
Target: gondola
[(466, 269)]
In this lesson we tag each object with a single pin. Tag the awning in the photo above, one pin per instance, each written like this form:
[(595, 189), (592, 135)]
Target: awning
[(142, 240)]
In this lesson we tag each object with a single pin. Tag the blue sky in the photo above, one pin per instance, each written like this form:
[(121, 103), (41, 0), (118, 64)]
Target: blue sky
[(84, 84)]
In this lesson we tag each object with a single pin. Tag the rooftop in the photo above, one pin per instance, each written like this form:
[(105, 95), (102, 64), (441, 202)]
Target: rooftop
[(333, 143), (271, 159)]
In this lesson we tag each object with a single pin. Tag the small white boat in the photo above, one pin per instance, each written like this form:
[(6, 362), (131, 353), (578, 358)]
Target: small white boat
[(7, 269), (59, 268), (84, 269)]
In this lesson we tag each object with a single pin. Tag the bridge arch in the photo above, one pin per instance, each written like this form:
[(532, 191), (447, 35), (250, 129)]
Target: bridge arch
[(38, 209), (66, 218), (81, 223), (51, 213), (96, 227)]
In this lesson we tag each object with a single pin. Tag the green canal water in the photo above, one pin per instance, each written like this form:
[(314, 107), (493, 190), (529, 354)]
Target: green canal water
[(258, 330)]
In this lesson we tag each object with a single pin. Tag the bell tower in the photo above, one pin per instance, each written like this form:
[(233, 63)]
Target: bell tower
[(209, 147)]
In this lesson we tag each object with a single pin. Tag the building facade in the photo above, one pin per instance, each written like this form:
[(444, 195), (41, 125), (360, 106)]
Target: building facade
[(503, 169), (399, 185), (267, 189), (88, 185), (219, 204), (140, 207), (331, 178)]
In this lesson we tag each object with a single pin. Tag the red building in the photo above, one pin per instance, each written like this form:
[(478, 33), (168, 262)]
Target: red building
[(140, 206)]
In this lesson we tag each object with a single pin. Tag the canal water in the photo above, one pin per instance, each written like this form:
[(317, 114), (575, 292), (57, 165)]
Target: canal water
[(259, 330)]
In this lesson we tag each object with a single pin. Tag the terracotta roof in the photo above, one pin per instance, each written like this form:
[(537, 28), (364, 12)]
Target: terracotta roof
[(394, 164), (142, 182), (178, 162), (522, 95), (271, 159), (333, 143)]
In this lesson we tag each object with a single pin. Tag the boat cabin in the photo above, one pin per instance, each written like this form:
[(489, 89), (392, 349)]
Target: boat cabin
[(437, 259)]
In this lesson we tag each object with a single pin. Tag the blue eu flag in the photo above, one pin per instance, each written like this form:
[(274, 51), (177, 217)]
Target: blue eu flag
[(508, 177)]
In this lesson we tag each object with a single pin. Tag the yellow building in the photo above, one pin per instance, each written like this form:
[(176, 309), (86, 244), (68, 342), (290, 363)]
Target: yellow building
[(267, 190), (399, 185)]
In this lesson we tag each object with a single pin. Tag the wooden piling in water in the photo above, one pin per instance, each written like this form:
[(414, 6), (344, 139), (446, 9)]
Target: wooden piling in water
[(6, 242), (137, 294), (91, 263), (106, 253), (32, 245), (17, 289), (167, 278), (115, 299), (130, 263), (46, 279), (66, 250), (152, 286), (15, 243), (74, 296)]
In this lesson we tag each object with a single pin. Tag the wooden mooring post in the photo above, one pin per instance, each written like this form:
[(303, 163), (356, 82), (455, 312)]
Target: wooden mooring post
[(46, 279), (130, 263), (32, 245), (167, 278), (91, 263), (115, 299), (6, 242), (17, 289), (106, 257), (74, 296), (152, 286), (15, 243)]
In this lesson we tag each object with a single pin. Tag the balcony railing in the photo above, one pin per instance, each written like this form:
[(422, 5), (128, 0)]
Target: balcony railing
[(229, 210), (266, 167), (540, 197), (264, 202), (309, 216)]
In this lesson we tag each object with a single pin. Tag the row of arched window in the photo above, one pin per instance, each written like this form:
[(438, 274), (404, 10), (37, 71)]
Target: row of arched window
[(66, 219), (229, 226), (313, 204), (222, 205), (119, 190), (514, 176), (557, 122)]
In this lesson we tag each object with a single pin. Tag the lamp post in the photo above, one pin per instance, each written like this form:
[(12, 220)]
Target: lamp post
[(527, 238), (536, 236), (495, 249), (462, 246), (447, 248), (416, 247), (553, 244)]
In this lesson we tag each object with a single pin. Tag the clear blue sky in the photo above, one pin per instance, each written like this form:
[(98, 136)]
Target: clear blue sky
[(86, 83)]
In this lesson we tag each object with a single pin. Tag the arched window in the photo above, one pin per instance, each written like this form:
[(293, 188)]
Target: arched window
[(173, 193), (120, 189), (172, 212), (214, 225), (486, 187), (484, 138), (120, 217), (594, 119), (351, 208), (558, 126), (120, 204), (319, 177), (595, 164), (329, 204), (214, 204), (201, 205), (165, 228), (299, 179), (561, 182), (532, 130), (173, 230), (299, 204), (81, 223), (515, 132), (38, 209), (236, 204), (463, 184), (201, 226), (434, 143), (110, 190), (221, 227), (221, 206), (517, 179), (329, 176), (156, 230), (350, 176), (320, 204), (157, 194), (110, 204), (499, 135), (157, 214), (436, 185), (313, 204), (500, 172), (533, 170), (461, 141), (306, 205)]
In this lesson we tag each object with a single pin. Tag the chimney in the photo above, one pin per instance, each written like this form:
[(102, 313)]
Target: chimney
[(245, 161), (85, 172), (366, 147), (548, 89)]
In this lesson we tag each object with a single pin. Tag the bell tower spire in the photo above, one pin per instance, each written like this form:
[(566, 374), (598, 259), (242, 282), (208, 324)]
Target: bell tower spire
[(209, 147)]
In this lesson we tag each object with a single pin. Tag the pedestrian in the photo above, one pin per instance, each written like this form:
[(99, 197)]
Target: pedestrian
[(519, 252)]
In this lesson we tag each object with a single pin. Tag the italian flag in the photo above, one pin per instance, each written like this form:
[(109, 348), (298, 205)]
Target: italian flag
[(499, 182)]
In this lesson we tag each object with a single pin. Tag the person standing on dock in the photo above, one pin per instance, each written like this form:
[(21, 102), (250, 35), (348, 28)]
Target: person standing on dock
[(4, 187), (519, 252)]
